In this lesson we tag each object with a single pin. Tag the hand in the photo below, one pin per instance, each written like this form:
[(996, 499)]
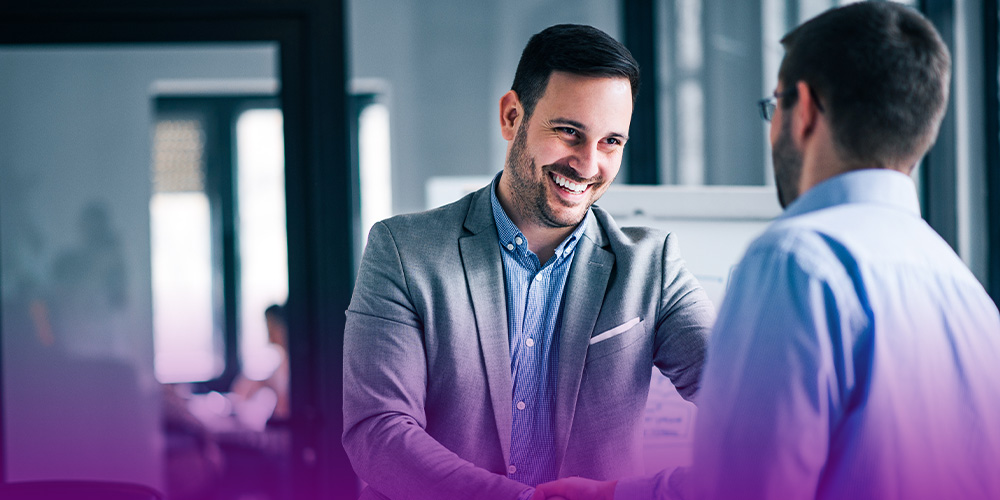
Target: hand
[(575, 488)]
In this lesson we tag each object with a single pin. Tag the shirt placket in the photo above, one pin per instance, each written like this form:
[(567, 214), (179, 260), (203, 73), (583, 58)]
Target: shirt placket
[(527, 388)]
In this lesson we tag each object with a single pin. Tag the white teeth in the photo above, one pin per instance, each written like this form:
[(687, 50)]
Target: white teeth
[(569, 185)]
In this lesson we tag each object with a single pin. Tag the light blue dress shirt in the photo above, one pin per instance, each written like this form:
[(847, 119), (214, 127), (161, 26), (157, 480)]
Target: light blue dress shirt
[(534, 307), (855, 357)]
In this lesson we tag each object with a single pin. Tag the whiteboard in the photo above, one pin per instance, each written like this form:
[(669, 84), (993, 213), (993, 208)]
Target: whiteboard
[(713, 224)]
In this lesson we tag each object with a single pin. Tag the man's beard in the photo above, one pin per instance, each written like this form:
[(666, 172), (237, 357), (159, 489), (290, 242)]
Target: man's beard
[(530, 196), (787, 165)]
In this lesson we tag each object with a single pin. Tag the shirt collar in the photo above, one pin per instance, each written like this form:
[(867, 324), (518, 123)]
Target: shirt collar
[(509, 233), (871, 185)]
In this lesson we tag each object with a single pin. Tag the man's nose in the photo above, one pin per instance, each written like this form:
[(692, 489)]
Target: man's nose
[(586, 160)]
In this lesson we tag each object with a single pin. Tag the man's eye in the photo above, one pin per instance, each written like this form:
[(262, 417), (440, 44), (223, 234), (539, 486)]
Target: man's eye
[(614, 141), (567, 131)]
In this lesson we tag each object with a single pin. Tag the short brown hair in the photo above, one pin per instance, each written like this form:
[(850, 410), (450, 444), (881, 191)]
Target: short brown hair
[(571, 48), (881, 72)]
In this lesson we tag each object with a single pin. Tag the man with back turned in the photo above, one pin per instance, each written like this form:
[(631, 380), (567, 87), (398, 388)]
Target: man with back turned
[(855, 355)]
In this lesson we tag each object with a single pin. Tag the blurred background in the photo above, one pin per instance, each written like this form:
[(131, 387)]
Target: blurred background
[(186, 188)]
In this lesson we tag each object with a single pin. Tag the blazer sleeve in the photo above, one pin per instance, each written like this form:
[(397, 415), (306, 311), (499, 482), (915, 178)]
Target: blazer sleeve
[(683, 323), (385, 388)]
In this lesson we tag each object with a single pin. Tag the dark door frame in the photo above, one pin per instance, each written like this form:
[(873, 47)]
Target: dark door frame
[(640, 35), (319, 188), (940, 184), (991, 63)]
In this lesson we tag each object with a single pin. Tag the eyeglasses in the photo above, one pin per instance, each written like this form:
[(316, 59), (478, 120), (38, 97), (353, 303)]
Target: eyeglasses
[(767, 105)]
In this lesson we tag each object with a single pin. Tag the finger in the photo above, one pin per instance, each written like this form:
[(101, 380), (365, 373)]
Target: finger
[(555, 490)]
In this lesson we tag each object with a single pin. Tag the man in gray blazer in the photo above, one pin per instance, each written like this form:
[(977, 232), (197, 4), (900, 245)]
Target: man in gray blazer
[(507, 339)]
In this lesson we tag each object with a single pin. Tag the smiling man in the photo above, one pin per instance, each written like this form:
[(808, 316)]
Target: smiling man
[(507, 339)]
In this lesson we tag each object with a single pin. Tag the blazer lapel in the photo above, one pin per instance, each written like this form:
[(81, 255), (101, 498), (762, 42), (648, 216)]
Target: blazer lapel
[(582, 300), (483, 267)]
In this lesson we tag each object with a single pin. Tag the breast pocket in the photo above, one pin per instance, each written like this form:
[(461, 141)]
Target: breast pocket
[(615, 339)]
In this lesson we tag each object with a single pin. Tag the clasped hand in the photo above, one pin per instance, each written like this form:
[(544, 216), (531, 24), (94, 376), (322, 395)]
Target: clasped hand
[(575, 488)]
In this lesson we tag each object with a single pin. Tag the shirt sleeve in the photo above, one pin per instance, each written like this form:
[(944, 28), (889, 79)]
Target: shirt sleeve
[(770, 389)]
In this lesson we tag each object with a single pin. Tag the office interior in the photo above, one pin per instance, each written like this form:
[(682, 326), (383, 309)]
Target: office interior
[(170, 170)]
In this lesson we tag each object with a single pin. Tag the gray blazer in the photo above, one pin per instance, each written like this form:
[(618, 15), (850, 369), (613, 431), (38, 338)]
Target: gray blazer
[(427, 380)]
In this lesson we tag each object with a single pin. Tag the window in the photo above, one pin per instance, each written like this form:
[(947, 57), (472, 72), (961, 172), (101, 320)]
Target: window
[(218, 237), (184, 341), (260, 161), (371, 159)]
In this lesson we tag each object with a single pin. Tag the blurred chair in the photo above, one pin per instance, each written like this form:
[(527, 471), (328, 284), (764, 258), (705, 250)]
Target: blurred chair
[(77, 490)]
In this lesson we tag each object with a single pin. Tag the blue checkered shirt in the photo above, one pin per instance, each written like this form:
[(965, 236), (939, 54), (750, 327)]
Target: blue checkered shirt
[(534, 316)]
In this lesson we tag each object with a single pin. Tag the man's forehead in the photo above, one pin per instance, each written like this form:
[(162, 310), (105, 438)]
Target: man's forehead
[(566, 79), (585, 99)]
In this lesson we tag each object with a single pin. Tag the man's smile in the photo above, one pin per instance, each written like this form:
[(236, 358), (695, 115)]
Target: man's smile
[(568, 185)]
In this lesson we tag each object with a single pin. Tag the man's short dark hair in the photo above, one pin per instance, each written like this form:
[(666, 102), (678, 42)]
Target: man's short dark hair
[(276, 311), (571, 48), (881, 73)]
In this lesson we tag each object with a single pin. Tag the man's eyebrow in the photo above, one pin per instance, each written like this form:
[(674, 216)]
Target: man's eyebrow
[(567, 121), (583, 128)]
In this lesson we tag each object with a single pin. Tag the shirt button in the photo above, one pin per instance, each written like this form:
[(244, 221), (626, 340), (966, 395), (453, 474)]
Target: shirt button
[(510, 246), (520, 405), (518, 240), (511, 469), (529, 342), (538, 277)]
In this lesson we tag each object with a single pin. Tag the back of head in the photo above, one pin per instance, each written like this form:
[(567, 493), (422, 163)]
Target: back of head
[(277, 324), (276, 311), (881, 72), (575, 49)]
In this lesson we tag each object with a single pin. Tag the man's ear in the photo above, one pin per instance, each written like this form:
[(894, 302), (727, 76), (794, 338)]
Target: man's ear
[(511, 113), (806, 113)]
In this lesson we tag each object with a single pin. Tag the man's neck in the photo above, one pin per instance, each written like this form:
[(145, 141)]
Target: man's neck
[(821, 161), (542, 241)]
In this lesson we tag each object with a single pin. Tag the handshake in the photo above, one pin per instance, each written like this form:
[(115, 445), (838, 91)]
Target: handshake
[(575, 488)]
